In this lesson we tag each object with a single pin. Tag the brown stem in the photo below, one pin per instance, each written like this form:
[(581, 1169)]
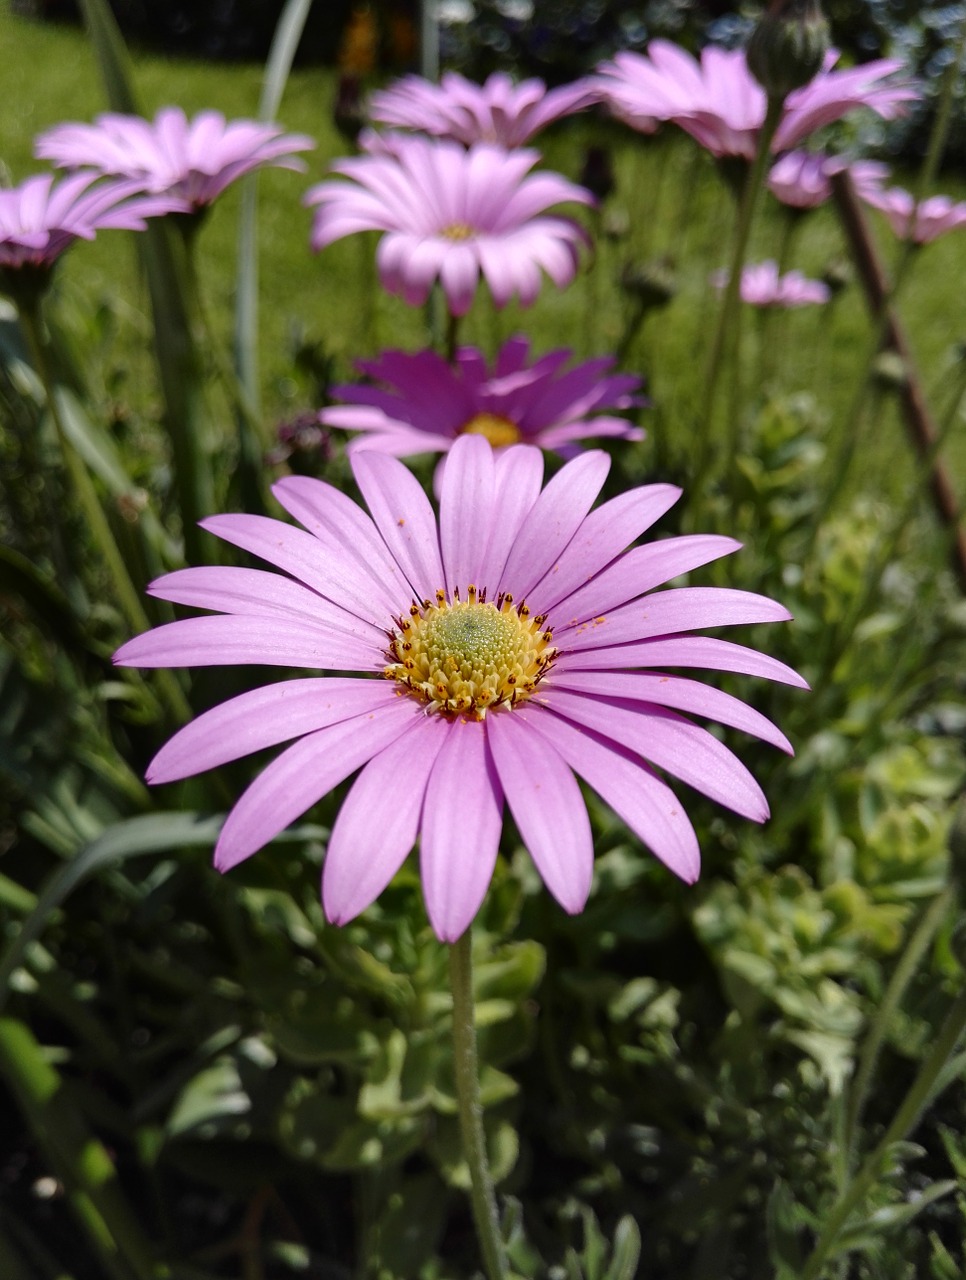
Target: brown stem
[(922, 429)]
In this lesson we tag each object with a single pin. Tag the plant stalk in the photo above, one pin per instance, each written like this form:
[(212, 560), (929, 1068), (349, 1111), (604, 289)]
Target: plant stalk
[(920, 1094), (728, 313), (467, 1075)]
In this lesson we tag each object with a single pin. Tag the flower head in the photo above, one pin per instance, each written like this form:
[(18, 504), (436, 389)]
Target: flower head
[(762, 286), (421, 404), (920, 222), (802, 179), (195, 160), (500, 650), (42, 217), (452, 213), (722, 106), (497, 111)]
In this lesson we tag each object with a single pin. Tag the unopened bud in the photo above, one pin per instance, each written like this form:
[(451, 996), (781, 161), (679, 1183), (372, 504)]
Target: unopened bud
[(788, 46)]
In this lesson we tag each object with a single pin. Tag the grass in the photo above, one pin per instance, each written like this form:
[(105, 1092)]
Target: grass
[(330, 308)]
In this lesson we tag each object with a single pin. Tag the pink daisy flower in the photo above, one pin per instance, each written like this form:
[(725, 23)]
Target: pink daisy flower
[(719, 102), (195, 160), (500, 651), (497, 111), (452, 213), (922, 222), (422, 404), (762, 286), (802, 179), (42, 216)]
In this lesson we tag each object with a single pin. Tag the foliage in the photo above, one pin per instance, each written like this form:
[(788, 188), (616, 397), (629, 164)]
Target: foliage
[(203, 1078)]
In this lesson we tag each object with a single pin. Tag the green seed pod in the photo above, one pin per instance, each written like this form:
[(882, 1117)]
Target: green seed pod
[(788, 46)]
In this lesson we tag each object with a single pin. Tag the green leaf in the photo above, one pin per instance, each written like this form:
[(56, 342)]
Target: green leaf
[(80, 1159), (216, 1094), (785, 1220), (894, 1217), (167, 263), (627, 1251), (147, 834)]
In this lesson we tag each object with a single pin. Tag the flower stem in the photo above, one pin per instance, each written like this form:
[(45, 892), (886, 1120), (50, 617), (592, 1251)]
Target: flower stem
[(97, 522), (728, 314), (80, 479), (924, 1088), (466, 1070)]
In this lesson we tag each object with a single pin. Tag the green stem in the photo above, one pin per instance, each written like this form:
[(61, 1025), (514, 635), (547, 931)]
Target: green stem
[(921, 1093), (84, 490), (97, 522), (466, 1069), (452, 336), (728, 313), (903, 974)]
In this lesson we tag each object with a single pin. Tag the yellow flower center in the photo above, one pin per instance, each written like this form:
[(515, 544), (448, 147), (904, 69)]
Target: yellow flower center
[(465, 657), (498, 430), (458, 231)]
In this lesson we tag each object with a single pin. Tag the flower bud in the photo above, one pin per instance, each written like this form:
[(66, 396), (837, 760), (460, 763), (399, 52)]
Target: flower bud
[(788, 46)]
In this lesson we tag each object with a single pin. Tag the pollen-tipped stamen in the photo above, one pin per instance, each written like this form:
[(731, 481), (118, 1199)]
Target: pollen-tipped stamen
[(464, 658)]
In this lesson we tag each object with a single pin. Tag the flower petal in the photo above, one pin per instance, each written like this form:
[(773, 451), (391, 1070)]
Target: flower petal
[(641, 570), (304, 773), (404, 518), (379, 821), (462, 822), (671, 742), (706, 652), (263, 718), (466, 510), (646, 803), (547, 807), (226, 639), (605, 533), (553, 520), (692, 696), (668, 612)]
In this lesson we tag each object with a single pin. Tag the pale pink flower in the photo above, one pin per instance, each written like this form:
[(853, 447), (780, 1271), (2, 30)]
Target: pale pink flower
[(802, 179), (195, 160), (719, 102), (497, 111), (452, 214), (922, 222), (43, 216), (762, 286), (501, 650), (422, 404)]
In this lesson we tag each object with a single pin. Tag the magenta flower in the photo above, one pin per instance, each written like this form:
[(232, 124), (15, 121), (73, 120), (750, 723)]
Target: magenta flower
[(42, 216), (195, 160), (500, 651), (802, 179), (452, 213), (423, 405), (762, 286), (497, 111), (920, 222), (719, 102)]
